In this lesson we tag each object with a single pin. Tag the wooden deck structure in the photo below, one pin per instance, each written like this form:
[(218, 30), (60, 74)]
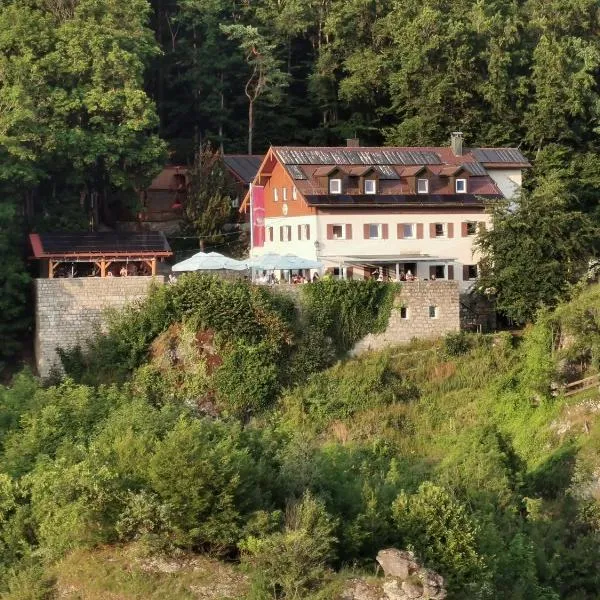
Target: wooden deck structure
[(101, 249)]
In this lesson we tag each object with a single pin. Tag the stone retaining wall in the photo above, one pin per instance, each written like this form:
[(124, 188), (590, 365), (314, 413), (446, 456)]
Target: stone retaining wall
[(68, 311), (416, 298)]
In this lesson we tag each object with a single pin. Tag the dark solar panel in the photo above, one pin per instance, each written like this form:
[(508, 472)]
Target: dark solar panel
[(245, 167), (499, 155), (296, 172), (316, 156), (104, 242), (475, 168), (394, 199)]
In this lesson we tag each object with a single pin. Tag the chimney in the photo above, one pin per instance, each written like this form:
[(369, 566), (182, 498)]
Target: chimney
[(352, 142), (456, 143)]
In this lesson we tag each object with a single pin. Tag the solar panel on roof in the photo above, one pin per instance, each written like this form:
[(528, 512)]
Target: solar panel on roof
[(475, 168), (315, 156), (116, 242), (499, 155), (387, 172), (296, 172)]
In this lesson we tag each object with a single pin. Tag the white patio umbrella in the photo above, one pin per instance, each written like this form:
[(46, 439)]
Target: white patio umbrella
[(211, 261), (283, 262)]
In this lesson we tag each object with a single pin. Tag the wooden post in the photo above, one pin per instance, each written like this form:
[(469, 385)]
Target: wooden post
[(102, 268), (153, 267), (51, 269)]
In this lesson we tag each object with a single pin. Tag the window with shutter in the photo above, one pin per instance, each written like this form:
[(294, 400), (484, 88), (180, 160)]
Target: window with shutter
[(450, 230), (450, 272), (348, 231)]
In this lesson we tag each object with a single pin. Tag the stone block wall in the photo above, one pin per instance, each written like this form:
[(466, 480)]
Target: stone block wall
[(416, 298), (68, 311)]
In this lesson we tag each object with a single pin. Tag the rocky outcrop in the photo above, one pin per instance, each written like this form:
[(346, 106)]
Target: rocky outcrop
[(405, 579)]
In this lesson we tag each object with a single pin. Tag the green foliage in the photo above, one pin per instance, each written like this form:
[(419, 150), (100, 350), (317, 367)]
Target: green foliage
[(442, 532), (456, 344), (291, 562), (348, 310), (201, 471), (348, 388), (435, 447), (14, 283), (247, 381), (208, 201), (536, 248)]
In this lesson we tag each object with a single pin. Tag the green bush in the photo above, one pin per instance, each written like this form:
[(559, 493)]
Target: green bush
[(443, 534), (203, 473), (456, 344), (352, 386), (294, 561), (247, 381)]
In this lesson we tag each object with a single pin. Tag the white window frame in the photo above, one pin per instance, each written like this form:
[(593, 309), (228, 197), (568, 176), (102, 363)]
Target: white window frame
[(405, 309), (287, 233), (294, 193), (444, 230), (284, 194), (342, 227), (413, 231), (373, 190), (426, 190), (463, 183), (379, 235), (304, 230), (275, 195), (335, 186)]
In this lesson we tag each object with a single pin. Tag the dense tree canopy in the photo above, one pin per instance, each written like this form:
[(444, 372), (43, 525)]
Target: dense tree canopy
[(94, 92)]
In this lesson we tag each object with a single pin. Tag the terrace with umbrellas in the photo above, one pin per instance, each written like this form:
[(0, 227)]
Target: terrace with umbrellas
[(266, 269)]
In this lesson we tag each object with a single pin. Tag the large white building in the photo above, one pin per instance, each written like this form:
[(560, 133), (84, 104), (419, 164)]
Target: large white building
[(364, 210)]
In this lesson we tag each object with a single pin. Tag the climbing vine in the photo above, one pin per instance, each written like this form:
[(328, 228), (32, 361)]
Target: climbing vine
[(348, 310)]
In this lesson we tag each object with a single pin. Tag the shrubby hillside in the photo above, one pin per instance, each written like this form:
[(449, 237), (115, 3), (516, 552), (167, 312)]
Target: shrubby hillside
[(213, 442)]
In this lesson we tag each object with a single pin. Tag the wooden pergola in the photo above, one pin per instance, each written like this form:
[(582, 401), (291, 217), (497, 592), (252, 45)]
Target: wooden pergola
[(100, 248)]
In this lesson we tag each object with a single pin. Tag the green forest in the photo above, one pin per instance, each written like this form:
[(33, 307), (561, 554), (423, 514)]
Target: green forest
[(213, 429), (216, 437)]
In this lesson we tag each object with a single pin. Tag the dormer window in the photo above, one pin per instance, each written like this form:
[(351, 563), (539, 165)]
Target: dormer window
[(335, 186), (370, 186), (422, 186), (461, 186)]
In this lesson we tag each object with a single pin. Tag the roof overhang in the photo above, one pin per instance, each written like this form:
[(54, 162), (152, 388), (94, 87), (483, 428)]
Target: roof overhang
[(390, 258)]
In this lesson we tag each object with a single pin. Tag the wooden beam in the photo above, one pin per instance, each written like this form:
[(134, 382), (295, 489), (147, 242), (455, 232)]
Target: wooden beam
[(102, 268), (50, 269), (153, 267)]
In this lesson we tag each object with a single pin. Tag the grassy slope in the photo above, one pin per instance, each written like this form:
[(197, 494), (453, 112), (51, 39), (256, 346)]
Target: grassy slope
[(455, 395)]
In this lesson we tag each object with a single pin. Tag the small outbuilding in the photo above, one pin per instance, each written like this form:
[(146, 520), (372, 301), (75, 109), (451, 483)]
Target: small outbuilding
[(99, 254)]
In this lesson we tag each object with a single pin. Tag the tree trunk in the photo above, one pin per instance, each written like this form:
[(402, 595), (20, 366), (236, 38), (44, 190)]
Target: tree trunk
[(250, 125), (222, 117)]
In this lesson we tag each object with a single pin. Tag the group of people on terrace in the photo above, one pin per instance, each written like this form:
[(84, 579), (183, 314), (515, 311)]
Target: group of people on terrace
[(84, 269)]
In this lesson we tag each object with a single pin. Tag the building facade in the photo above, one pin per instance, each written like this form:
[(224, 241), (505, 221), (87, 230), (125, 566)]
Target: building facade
[(363, 212)]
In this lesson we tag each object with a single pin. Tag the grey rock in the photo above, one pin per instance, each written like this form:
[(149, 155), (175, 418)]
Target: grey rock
[(397, 563)]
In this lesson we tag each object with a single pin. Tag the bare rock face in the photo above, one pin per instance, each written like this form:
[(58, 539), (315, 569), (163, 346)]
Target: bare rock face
[(357, 589), (405, 579), (397, 563)]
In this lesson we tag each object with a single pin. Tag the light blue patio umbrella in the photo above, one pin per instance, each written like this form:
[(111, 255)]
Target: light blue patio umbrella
[(283, 262), (211, 261)]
